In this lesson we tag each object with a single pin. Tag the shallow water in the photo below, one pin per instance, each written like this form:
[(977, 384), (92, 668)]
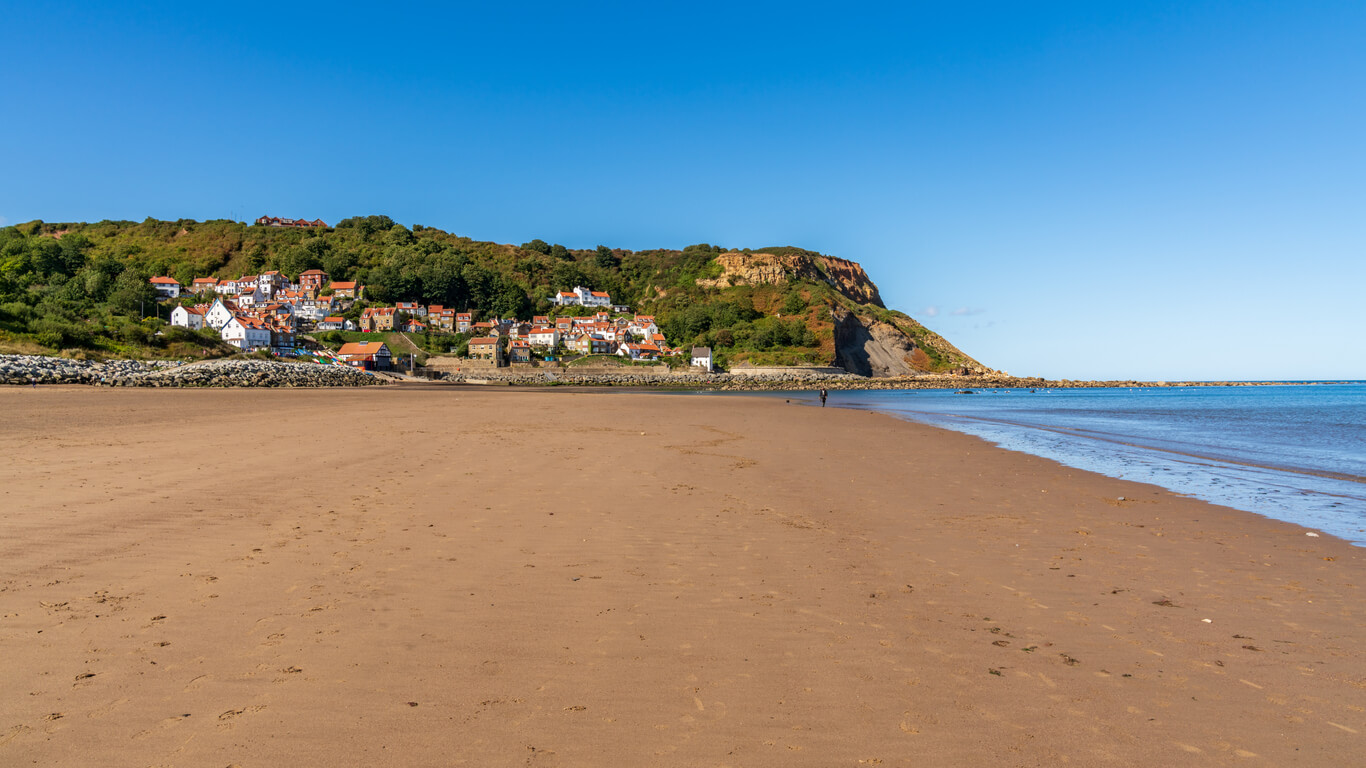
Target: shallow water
[(1295, 453)]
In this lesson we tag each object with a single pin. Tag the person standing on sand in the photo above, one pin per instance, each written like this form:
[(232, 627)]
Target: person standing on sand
[(824, 394)]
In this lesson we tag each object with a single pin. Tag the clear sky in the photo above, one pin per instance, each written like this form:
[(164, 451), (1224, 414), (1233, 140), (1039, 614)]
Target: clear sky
[(1155, 190)]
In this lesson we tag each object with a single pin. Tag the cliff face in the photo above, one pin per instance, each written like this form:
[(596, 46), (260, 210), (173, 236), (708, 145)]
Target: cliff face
[(848, 278), (896, 347), (868, 340), (845, 276)]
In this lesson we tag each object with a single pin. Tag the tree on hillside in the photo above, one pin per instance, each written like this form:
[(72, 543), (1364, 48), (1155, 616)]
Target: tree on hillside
[(537, 246), (132, 294)]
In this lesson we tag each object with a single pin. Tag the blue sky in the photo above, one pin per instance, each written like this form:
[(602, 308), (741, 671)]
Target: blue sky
[(1159, 190)]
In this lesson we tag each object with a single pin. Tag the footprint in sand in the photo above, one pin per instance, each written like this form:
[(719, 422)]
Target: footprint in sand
[(13, 734), (231, 715)]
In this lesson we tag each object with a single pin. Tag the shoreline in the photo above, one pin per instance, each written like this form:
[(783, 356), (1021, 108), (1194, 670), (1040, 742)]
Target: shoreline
[(24, 370), (598, 577)]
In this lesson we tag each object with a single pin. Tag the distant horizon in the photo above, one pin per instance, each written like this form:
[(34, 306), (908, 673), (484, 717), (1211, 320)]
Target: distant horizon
[(1171, 192)]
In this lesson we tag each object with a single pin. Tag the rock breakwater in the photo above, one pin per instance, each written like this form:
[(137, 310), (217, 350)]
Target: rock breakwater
[(800, 379), (32, 369)]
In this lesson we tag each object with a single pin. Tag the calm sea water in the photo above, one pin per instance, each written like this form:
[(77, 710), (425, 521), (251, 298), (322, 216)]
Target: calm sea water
[(1291, 452)]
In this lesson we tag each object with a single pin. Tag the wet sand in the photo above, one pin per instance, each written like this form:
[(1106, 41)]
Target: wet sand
[(424, 577)]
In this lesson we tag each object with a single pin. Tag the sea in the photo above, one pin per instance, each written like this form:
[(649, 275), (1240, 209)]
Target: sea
[(1294, 452)]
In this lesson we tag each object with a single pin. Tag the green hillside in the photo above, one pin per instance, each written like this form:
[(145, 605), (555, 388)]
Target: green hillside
[(82, 287)]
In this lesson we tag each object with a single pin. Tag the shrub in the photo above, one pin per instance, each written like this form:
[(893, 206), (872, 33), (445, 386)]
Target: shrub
[(59, 334)]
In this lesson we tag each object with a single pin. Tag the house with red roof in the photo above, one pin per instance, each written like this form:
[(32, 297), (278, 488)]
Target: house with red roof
[(441, 319), (639, 351), (312, 280), (374, 319), (370, 355), (167, 287), (545, 338), (276, 221), (487, 348), (347, 289), (188, 317), (336, 323), (247, 333), (582, 297)]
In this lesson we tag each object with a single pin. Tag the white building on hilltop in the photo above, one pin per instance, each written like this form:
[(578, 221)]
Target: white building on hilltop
[(582, 297)]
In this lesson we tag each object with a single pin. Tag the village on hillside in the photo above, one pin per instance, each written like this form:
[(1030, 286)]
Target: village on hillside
[(269, 312)]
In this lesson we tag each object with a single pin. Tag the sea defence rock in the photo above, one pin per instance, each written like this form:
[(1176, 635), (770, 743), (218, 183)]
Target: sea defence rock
[(774, 379), (36, 369), (33, 369)]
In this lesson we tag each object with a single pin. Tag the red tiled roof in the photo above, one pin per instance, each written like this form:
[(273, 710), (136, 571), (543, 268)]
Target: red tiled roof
[(361, 348)]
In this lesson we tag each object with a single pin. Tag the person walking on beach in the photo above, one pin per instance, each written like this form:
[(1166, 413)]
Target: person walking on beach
[(824, 394)]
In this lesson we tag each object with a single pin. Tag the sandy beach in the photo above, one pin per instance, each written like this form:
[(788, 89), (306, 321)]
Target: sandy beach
[(461, 576)]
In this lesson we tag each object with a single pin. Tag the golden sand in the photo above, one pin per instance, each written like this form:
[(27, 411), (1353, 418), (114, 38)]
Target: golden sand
[(447, 576)]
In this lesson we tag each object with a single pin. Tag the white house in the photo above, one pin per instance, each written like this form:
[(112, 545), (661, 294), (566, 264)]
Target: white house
[(188, 317), (701, 358), (336, 324), (312, 311), (217, 315), (544, 337), (271, 283), (639, 351), (249, 298), (581, 296), (247, 333), (167, 287), (644, 325)]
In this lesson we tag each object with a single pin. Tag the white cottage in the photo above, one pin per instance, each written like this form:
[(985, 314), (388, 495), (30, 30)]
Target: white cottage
[(188, 317), (217, 315), (166, 287), (701, 358), (247, 333)]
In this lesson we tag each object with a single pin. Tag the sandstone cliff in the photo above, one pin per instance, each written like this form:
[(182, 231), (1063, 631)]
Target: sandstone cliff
[(867, 339), (764, 268)]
